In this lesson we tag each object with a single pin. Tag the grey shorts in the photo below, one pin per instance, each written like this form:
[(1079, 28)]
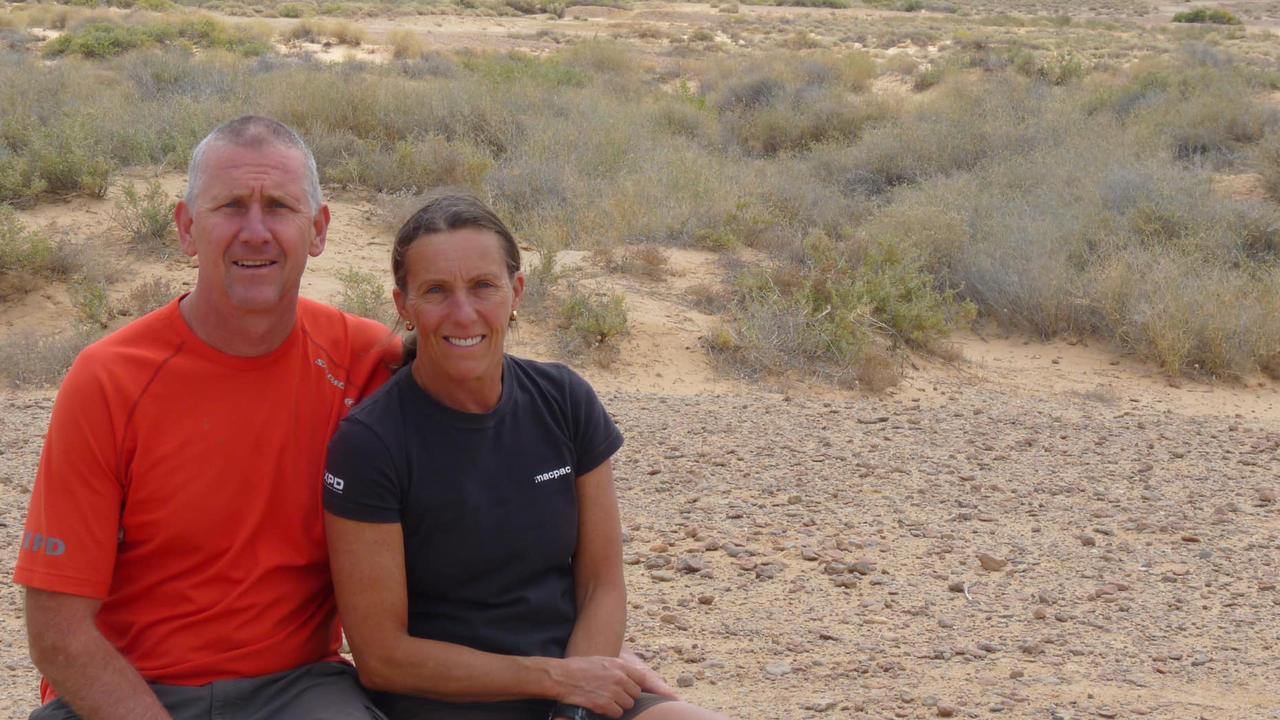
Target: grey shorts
[(323, 691), (400, 707)]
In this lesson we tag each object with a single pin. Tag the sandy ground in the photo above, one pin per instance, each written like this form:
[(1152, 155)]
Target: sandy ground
[(798, 551)]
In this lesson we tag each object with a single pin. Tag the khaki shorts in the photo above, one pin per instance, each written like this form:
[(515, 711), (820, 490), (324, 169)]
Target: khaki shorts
[(323, 691)]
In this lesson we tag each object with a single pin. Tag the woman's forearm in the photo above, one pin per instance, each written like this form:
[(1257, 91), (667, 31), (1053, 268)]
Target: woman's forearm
[(601, 621), (454, 673)]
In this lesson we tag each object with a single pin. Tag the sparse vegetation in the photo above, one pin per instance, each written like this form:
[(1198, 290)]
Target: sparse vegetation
[(363, 294), (1029, 183), (146, 218), (591, 321), (147, 295), (1212, 16)]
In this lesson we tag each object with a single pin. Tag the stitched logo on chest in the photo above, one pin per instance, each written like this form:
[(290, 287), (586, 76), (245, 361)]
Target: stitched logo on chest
[(552, 475)]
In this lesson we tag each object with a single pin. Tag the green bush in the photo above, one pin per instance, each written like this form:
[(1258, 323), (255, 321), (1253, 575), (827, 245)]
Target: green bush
[(23, 251), (93, 305), (1213, 16), (363, 294), (593, 319), (146, 218)]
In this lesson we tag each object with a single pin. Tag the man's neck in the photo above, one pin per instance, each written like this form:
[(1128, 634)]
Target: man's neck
[(244, 334)]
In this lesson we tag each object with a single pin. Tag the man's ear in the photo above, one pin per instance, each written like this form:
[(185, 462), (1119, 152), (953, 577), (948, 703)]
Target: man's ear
[(321, 225), (183, 218)]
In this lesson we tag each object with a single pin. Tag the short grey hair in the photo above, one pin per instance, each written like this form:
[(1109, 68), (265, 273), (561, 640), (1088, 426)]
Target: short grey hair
[(257, 133)]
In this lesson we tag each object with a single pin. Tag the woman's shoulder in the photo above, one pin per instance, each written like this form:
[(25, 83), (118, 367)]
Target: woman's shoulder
[(380, 408), (554, 377)]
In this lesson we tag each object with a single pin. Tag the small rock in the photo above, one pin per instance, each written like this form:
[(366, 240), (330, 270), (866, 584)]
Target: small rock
[(777, 670), (1016, 673), (662, 575), (1200, 659), (1189, 538), (946, 711), (862, 567), (1267, 495), (657, 561), (706, 599), (956, 586), (991, 563), (1087, 540), (1039, 613), (685, 680), (691, 564)]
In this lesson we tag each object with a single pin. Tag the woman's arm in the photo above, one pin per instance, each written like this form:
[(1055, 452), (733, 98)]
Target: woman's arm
[(369, 580), (597, 568)]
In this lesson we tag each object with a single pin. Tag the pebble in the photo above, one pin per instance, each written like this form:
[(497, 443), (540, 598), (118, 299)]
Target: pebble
[(706, 599), (691, 564), (1087, 540), (777, 670), (956, 586), (1201, 659), (946, 711), (662, 575), (685, 680), (991, 563)]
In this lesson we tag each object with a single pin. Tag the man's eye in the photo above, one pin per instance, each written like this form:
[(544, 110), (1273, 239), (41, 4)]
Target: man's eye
[(433, 290)]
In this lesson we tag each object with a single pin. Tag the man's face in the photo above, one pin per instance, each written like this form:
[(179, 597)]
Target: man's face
[(252, 227)]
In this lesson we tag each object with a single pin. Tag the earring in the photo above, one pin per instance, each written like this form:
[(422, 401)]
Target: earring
[(513, 317), (408, 326)]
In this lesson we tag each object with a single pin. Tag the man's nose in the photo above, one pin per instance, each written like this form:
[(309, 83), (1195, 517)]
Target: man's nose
[(254, 226)]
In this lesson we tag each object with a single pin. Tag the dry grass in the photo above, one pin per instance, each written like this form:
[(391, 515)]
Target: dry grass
[(1058, 192)]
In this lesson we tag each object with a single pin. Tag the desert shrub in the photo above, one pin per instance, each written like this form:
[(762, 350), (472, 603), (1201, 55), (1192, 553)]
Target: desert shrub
[(147, 295), (1201, 108), (99, 40), (541, 279), (362, 294), (146, 218), (345, 33), (407, 165), (1213, 16), (41, 359), (94, 310), (838, 305), (646, 260), (66, 157), (901, 64), (777, 104), (304, 31), (1267, 161), (22, 250), (593, 319)]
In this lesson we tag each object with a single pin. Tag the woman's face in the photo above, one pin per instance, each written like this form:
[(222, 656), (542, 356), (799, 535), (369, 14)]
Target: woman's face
[(460, 297)]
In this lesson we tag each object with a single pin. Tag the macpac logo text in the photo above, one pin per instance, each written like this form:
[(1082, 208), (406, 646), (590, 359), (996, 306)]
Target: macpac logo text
[(334, 483), (566, 470), (37, 543)]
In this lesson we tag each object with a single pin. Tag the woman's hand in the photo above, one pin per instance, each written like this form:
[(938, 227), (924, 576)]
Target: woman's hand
[(604, 685)]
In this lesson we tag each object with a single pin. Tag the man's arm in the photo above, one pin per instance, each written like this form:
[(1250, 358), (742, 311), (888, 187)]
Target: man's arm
[(85, 669)]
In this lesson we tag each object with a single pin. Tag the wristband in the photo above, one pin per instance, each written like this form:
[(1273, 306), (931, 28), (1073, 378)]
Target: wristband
[(572, 712)]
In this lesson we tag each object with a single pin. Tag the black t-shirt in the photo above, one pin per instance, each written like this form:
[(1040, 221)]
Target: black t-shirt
[(487, 502)]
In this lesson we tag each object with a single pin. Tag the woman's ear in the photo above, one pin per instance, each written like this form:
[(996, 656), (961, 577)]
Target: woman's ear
[(398, 296)]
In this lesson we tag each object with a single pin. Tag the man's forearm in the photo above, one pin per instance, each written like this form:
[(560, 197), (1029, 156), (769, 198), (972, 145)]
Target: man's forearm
[(92, 677), (86, 670)]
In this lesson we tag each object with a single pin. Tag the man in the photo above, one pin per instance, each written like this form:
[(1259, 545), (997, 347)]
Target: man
[(174, 558)]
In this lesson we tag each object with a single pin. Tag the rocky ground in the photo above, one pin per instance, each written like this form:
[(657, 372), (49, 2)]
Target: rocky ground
[(965, 547)]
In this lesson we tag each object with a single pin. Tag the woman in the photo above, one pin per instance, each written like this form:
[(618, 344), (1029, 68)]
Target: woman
[(471, 517)]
